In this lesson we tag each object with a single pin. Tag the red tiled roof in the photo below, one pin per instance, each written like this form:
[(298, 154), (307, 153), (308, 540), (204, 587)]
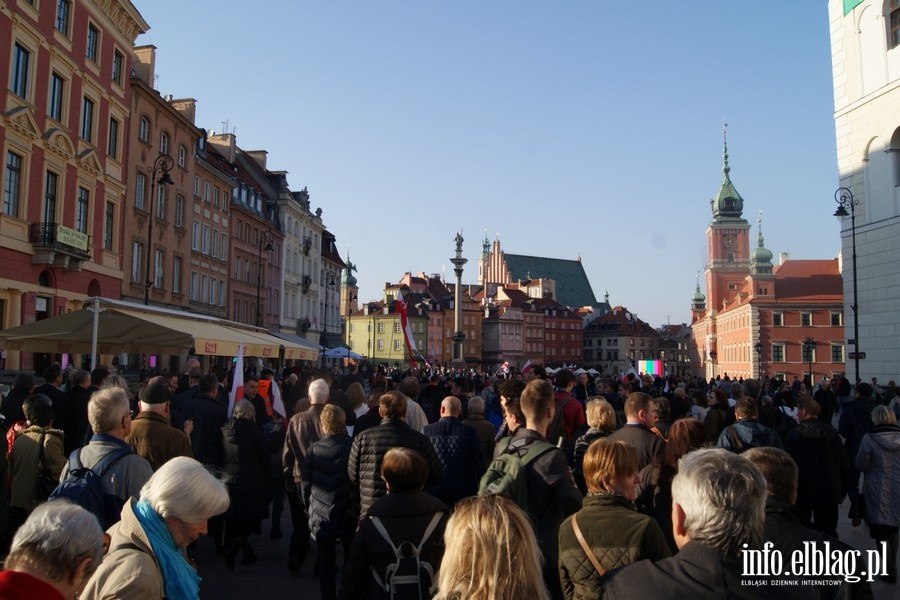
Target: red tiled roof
[(804, 280)]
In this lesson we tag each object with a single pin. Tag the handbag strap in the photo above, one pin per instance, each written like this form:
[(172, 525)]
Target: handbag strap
[(41, 450), (584, 546)]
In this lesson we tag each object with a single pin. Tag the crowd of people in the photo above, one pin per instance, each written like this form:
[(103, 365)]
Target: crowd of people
[(442, 484)]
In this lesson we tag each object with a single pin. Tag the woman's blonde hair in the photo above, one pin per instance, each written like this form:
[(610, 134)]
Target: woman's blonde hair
[(333, 420), (490, 553), (606, 461), (601, 415)]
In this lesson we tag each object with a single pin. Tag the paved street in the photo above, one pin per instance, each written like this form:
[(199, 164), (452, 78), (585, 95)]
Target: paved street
[(270, 579)]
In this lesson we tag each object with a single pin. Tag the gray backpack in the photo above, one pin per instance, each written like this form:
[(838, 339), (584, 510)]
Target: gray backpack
[(409, 577)]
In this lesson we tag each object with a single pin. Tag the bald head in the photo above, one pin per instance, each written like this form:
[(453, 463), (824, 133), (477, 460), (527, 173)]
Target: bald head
[(451, 407)]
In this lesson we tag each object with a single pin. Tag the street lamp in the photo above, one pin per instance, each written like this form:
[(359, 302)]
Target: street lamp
[(161, 166), (265, 243), (329, 283), (758, 348), (809, 345), (844, 198)]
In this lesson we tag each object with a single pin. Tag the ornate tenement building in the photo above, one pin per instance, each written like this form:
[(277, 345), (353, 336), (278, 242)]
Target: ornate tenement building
[(64, 119)]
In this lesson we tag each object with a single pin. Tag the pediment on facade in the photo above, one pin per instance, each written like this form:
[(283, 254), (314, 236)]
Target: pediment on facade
[(59, 142), (87, 159), (21, 119)]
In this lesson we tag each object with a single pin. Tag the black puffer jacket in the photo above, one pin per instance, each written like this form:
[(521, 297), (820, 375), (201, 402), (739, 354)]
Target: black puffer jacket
[(405, 517), (246, 469), (326, 486), (459, 449), (823, 467), (370, 446)]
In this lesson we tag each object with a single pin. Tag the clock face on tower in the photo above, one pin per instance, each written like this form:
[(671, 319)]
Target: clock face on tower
[(730, 241)]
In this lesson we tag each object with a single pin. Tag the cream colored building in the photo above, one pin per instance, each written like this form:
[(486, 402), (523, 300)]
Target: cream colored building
[(865, 50)]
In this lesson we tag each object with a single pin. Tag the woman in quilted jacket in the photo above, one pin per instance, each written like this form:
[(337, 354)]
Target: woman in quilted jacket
[(879, 459), (326, 495), (25, 461), (608, 532)]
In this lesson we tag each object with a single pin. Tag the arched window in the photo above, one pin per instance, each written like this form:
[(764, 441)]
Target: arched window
[(164, 142), (144, 130), (182, 154)]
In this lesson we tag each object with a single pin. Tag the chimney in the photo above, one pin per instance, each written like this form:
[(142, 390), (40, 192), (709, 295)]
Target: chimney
[(144, 63), (259, 156), (225, 144), (783, 257), (187, 107)]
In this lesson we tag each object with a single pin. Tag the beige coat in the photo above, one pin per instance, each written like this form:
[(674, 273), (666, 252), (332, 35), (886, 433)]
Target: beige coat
[(23, 464), (126, 573)]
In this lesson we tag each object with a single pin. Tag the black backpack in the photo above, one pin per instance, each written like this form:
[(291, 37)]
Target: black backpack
[(408, 577), (84, 487)]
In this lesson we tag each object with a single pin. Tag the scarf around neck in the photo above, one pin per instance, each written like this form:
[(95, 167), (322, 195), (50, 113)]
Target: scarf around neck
[(180, 579)]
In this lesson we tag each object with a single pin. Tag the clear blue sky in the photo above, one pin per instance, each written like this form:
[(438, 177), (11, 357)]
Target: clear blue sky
[(568, 128)]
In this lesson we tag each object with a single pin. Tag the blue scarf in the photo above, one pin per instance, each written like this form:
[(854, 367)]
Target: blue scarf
[(180, 578)]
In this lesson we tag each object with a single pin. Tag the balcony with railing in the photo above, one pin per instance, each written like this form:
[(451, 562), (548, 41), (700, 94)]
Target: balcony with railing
[(59, 246)]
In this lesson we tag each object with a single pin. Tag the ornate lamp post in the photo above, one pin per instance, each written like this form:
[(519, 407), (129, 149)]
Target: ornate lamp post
[(844, 198), (329, 284), (265, 243), (809, 345), (159, 176)]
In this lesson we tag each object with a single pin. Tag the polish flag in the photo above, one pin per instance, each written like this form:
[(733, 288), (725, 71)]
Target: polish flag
[(277, 402), (237, 386), (407, 330)]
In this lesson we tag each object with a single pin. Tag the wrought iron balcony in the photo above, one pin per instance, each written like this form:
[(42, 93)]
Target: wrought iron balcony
[(59, 246)]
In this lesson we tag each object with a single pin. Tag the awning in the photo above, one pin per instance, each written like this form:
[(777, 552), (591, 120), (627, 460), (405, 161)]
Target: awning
[(125, 327), (296, 347)]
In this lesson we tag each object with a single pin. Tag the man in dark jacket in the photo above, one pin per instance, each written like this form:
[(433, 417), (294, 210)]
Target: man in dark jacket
[(74, 422), (855, 422), (50, 388), (11, 406), (747, 432), (784, 529), (552, 493), (369, 447), (824, 470), (459, 450), (827, 400), (304, 430), (208, 415), (718, 503), (151, 435), (640, 412)]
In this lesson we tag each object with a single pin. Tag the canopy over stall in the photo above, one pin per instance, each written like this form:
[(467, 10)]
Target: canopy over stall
[(112, 327)]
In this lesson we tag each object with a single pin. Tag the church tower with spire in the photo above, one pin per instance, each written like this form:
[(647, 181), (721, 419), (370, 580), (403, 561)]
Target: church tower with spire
[(728, 241)]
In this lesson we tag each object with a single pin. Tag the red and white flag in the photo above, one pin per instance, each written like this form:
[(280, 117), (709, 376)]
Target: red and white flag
[(407, 330), (526, 367), (237, 386), (277, 402)]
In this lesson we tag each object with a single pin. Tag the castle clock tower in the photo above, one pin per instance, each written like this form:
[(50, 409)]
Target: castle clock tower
[(728, 241)]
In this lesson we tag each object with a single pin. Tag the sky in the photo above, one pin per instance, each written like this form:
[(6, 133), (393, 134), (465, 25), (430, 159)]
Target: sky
[(569, 129)]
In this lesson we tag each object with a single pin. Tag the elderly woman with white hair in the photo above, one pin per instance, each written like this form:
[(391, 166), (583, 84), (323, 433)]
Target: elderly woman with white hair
[(53, 554), (879, 458), (146, 553)]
